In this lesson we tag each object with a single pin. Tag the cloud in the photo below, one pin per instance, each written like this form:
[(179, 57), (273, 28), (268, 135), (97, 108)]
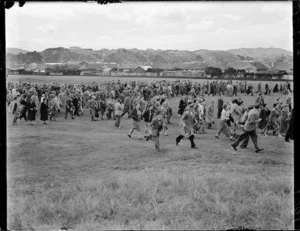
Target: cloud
[(200, 26), (53, 10), (222, 31), (49, 29), (277, 7), (232, 17), (104, 37)]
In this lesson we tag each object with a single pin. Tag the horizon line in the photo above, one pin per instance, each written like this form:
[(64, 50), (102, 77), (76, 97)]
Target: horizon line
[(156, 49)]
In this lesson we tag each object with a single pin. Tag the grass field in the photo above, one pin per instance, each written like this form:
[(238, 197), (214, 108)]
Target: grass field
[(89, 79), (89, 176)]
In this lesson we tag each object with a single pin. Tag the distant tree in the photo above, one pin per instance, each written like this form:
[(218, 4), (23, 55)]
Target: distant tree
[(153, 70), (176, 69), (230, 71), (213, 71), (30, 57), (114, 69)]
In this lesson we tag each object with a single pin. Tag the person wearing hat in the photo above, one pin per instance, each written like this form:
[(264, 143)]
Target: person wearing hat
[(44, 111), (102, 105), (69, 107), (210, 114), (236, 115), (110, 107), (31, 108), (15, 109), (284, 120), (135, 116), (164, 112), (259, 100), (119, 107), (224, 128), (263, 115), (182, 105), (242, 122), (92, 106), (187, 122), (273, 120), (23, 102), (250, 129), (52, 107), (147, 117), (157, 126), (220, 106)]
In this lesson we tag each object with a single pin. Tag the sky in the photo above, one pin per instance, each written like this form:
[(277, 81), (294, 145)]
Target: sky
[(150, 25)]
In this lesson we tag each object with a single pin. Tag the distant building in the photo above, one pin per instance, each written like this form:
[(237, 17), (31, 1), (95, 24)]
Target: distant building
[(249, 67), (258, 66), (107, 71), (142, 69), (127, 68)]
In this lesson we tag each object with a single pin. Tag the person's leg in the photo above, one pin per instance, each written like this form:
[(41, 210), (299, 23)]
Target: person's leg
[(253, 136), (245, 142), (118, 120), (92, 111), (239, 139), (219, 132), (130, 132), (108, 114), (165, 128), (15, 120), (265, 129), (101, 113), (139, 133), (191, 138), (288, 134), (178, 139), (155, 139), (66, 113)]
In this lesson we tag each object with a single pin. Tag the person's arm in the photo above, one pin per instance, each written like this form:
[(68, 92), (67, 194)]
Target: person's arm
[(252, 118)]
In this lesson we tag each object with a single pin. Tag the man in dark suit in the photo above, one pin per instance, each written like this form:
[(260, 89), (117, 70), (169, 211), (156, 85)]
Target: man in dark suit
[(220, 106), (182, 105), (69, 107)]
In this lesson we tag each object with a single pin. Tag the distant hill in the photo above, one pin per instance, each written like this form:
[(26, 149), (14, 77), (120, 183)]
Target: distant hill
[(15, 51), (262, 54), (165, 59)]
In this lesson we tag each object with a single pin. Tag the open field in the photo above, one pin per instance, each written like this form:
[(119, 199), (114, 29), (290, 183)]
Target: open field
[(89, 79), (90, 176)]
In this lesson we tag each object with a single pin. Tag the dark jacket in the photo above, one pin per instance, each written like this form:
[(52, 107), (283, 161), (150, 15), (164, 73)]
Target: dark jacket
[(220, 103), (147, 116), (182, 106), (263, 116), (44, 111), (31, 108), (134, 115)]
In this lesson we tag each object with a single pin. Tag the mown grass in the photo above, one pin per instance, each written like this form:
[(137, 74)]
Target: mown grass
[(90, 176), (159, 200)]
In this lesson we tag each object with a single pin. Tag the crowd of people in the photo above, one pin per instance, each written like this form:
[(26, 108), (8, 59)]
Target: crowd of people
[(149, 102)]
